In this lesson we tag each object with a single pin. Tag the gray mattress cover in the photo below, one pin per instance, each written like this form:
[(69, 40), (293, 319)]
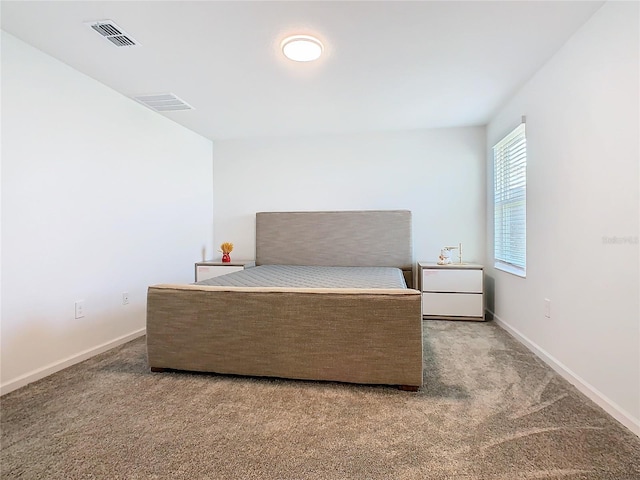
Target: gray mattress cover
[(300, 276)]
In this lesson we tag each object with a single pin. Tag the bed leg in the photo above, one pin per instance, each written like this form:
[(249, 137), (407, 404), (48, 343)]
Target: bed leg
[(408, 388), (158, 369)]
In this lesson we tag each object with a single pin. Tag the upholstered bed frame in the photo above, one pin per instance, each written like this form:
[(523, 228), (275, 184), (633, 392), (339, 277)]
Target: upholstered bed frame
[(371, 238), (369, 336)]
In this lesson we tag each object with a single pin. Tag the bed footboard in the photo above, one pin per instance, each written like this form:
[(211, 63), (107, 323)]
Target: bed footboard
[(356, 336)]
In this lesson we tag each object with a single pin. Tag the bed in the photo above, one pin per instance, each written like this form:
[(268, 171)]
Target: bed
[(354, 327)]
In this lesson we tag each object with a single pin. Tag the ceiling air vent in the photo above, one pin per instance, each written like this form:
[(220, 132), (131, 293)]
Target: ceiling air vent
[(112, 32), (163, 102)]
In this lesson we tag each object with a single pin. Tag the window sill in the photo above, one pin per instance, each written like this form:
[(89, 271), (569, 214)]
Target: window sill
[(513, 270)]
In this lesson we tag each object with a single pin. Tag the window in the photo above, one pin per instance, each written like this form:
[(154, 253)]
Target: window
[(510, 202)]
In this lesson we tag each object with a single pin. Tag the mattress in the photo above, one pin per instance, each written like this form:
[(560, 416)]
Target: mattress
[(300, 276)]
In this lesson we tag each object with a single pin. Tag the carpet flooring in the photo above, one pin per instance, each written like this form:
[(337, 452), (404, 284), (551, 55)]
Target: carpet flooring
[(489, 409)]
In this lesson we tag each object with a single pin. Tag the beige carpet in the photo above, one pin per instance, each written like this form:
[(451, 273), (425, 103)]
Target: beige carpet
[(489, 410)]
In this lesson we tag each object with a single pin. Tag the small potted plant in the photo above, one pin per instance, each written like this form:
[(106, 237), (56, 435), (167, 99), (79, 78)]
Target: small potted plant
[(226, 249)]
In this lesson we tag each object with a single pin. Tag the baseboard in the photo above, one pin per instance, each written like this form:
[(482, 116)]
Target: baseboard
[(592, 393), (67, 362)]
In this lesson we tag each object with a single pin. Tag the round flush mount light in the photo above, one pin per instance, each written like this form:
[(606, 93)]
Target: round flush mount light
[(302, 48)]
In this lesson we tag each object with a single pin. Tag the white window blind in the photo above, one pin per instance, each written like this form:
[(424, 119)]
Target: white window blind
[(510, 202)]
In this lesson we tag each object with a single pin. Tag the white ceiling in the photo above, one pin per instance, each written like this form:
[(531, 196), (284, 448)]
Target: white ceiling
[(387, 65)]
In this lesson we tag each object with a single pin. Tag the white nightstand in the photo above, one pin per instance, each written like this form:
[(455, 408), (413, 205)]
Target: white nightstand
[(454, 291), (210, 268)]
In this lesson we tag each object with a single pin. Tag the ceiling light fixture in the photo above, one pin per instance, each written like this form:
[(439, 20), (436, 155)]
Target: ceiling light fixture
[(302, 48)]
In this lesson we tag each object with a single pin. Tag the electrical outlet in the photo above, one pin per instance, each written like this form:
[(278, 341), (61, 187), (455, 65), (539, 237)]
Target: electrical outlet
[(80, 309), (125, 298), (547, 308)]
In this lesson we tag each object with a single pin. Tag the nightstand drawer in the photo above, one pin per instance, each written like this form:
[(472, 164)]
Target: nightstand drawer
[(454, 280), (210, 268), (204, 272), (452, 304)]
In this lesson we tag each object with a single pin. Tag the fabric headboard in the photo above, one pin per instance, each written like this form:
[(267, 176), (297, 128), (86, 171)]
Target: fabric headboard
[(360, 238)]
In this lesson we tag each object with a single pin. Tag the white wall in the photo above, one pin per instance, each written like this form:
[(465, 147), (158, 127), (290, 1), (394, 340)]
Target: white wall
[(582, 142), (437, 174), (100, 196)]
